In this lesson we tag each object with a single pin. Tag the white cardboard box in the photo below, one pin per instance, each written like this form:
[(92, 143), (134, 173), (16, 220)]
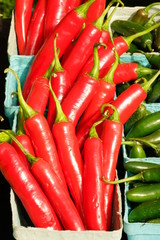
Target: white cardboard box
[(22, 231)]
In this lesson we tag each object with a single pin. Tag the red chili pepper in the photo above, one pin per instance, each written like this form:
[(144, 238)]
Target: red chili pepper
[(22, 16), (39, 93), (55, 12), (24, 139), (93, 187), (59, 199), (106, 55), (129, 71), (83, 47), (27, 189), (67, 29), (95, 10), (60, 82), (104, 94), (69, 154), (35, 30), (111, 138), (82, 92), (40, 134)]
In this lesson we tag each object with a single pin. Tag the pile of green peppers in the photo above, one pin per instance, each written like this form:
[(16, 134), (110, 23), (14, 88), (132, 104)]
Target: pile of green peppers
[(148, 44), (144, 191)]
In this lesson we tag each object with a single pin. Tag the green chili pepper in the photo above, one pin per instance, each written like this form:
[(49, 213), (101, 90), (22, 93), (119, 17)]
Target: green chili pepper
[(136, 150), (148, 176), (138, 166), (153, 138), (128, 28), (145, 126), (138, 184), (145, 211), (154, 95), (133, 48), (153, 58), (137, 115), (144, 193), (141, 15), (156, 41), (156, 220)]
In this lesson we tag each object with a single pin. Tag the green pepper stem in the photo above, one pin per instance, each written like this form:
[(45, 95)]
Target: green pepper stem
[(30, 157), (109, 76), (57, 66), (142, 71), (130, 39), (137, 177), (27, 110), (146, 86), (93, 132), (83, 8), (95, 70), (105, 25), (21, 129), (60, 116), (99, 21), (5, 137), (128, 143), (150, 21), (114, 116), (145, 142), (147, 8)]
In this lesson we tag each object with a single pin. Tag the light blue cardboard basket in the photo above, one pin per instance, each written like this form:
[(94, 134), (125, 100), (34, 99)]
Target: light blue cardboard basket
[(153, 107), (138, 231), (21, 65)]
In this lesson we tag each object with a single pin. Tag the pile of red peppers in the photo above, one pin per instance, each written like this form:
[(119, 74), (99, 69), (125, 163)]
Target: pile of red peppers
[(70, 124)]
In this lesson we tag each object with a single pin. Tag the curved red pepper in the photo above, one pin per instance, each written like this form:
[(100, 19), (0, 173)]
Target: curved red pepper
[(95, 10), (106, 56), (69, 154), (104, 94), (60, 82), (40, 134), (67, 29), (55, 12), (111, 136), (83, 48), (27, 189), (35, 30), (22, 16), (82, 92), (93, 187)]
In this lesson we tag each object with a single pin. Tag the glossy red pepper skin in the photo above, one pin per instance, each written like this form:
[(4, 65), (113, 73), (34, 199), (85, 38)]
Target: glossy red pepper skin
[(27, 144), (61, 85), (55, 12), (67, 30), (128, 101), (70, 159), (106, 55), (22, 16), (124, 72), (35, 30), (104, 94), (79, 97), (44, 144), (95, 10), (27, 189), (111, 138), (39, 95), (81, 51), (59, 199), (93, 187)]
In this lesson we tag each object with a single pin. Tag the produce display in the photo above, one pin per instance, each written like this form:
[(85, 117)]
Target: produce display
[(78, 105)]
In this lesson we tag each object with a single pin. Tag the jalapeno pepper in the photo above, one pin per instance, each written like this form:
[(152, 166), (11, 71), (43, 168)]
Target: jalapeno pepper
[(136, 150), (145, 126), (153, 58), (127, 28), (152, 138), (138, 166), (144, 193), (154, 94), (141, 15), (145, 211)]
